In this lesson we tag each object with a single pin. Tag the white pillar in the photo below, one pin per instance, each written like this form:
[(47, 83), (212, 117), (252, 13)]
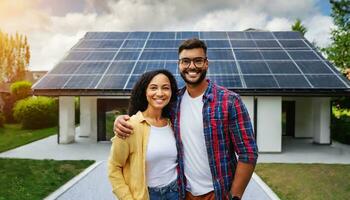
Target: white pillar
[(67, 120), (88, 117), (322, 118), (269, 124), (249, 104), (303, 118)]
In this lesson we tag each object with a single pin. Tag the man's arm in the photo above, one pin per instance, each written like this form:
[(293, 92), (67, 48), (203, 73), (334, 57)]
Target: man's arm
[(243, 174), (121, 128), (245, 146)]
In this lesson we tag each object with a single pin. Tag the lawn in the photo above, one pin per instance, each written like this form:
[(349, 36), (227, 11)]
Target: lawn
[(307, 181), (35, 179), (12, 136)]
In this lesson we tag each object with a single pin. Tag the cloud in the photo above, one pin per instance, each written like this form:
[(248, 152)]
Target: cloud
[(51, 35)]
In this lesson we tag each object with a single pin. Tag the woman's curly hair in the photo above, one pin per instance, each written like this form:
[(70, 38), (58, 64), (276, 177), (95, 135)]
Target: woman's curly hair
[(138, 99)]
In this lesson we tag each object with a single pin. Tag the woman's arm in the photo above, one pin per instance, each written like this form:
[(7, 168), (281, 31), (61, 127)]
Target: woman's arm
[(117, 159)]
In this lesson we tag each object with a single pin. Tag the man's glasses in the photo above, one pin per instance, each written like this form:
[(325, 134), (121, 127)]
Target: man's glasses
[(198, 62)]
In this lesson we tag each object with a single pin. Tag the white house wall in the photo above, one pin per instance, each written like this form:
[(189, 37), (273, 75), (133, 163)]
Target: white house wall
[(249, 103), (303, 118), (269, 126), (66, 120), (88, 117), (322, 118)]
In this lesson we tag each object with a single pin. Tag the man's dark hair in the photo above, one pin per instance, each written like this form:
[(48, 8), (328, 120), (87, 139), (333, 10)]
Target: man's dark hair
[(193, 43), (138, 99)]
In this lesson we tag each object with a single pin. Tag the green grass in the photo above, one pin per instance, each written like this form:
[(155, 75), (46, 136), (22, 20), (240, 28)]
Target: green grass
[(12, 136), (307, 181), (35, 179)]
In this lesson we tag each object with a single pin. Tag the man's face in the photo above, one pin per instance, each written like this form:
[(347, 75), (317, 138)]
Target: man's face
[(193, 65)]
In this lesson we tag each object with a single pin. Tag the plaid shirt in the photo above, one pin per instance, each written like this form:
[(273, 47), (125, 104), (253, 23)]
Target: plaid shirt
[(227, 131)]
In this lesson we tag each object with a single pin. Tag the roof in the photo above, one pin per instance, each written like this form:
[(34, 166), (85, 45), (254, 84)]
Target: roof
[(248, 62)]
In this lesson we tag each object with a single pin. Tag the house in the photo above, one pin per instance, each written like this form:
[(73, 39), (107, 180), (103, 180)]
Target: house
[(284, 81)]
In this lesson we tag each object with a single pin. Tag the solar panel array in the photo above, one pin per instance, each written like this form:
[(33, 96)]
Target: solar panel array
[(237, 60)]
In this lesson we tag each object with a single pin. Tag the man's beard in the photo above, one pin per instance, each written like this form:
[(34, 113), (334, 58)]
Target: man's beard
[(203, 73)]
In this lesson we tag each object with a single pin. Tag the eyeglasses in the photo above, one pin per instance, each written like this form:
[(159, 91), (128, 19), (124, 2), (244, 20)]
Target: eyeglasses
[(198, 62)]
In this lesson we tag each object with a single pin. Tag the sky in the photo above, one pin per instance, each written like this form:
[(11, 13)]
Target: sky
[(54, 26)]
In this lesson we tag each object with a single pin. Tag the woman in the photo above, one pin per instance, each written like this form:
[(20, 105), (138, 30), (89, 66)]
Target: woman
[(143, 166)]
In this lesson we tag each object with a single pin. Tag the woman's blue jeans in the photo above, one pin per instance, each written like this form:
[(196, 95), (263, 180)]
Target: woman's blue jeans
[(168, 192)]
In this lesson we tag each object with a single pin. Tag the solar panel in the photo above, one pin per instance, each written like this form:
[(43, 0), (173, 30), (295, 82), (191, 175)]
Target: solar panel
[(237, 60)]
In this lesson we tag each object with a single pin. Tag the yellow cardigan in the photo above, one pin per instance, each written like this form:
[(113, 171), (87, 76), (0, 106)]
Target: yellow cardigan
[(127, 162)]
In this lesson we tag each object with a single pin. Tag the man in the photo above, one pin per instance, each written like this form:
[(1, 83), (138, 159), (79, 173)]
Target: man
[(212, 128)]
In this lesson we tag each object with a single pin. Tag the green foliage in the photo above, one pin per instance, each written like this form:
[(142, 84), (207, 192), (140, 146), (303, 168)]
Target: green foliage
[(297, 26), (77, 110), (21, 89), (339, 51), (36, 112), (340, 128), (2, 119), (14, 57), (8, 108)]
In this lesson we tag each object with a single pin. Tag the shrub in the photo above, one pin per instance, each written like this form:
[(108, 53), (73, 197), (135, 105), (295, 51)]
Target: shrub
[(9, 104), (36, 112), (340, 129), (2, 119), (21, 89)]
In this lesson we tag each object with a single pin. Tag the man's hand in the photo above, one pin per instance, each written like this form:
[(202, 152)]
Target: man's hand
[(121, 128)]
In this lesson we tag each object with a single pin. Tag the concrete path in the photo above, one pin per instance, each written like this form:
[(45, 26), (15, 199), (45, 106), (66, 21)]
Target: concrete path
[(93, 183)]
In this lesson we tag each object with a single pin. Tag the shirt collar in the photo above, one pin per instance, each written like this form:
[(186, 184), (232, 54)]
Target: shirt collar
[(208, 94)]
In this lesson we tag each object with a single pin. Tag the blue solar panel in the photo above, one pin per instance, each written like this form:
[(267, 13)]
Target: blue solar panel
[(120, 67), (254, 67), (127, 55), (82, 82), (237, 35), (52, 82), (267, 44), (133, 79), (92, 68), (113, 82), (263, 60), (325, 81), (164, 54), (65, 68), (287, 35), (107, 56), (274, 55), (134, 44), (243, 44), (213, 35), (303, 55), (313, 67), (247, 55), (162, 35), (187, 35), (222, 67), (282, 67), (260, 81), (145, 66), (292, 81), (162, 44), (293, 44), (218, 44), (232, 81), (138, 35)]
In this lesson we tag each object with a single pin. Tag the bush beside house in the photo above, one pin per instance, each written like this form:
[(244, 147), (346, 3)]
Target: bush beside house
[(36, 112)]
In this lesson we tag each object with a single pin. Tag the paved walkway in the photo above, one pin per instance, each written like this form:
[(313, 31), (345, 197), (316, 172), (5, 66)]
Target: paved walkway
[(94, 184)]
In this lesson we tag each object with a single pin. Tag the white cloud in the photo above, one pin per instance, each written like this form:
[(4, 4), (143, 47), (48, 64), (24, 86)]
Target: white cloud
[(51, 36)]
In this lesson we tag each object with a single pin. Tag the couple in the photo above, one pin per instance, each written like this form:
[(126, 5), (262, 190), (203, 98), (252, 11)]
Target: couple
[(206, 150)]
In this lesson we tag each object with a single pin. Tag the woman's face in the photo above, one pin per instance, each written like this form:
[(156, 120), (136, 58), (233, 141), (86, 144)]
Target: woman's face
[(158, 91)]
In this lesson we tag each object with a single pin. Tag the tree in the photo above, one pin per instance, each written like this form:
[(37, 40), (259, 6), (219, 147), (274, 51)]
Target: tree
[(14, 57), (339, 51), (298, 26)]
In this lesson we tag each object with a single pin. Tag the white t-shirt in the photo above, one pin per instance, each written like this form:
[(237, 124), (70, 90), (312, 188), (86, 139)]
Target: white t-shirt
[(161, 157), (196, 164)]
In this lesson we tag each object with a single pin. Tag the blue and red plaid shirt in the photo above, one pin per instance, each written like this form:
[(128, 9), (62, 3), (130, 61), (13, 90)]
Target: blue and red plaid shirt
[(227, 131)]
